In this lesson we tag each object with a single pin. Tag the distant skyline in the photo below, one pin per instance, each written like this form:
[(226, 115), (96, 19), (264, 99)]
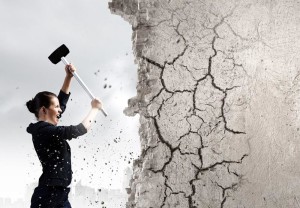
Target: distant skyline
[(80, 196), (101, 50)]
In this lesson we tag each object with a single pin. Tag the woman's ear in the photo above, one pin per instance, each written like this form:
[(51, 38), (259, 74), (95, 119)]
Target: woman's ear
[(44, 110)]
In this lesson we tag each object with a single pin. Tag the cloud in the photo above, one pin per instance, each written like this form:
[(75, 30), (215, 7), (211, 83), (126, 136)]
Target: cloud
[(97, 40)]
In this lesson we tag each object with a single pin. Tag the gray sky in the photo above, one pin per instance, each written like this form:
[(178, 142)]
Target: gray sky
[(100, 48)]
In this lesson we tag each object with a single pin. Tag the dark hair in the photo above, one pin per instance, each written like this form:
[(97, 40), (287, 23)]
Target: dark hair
[(41, 99)]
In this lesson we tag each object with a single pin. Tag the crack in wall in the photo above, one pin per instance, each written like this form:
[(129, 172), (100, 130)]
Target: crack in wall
[(202, 101)]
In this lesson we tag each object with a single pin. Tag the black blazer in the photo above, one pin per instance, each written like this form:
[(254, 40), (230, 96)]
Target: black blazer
[(52, 148)]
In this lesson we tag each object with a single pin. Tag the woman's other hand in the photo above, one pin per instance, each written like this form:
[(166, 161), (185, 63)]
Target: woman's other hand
[(96, 103), (96, 106)]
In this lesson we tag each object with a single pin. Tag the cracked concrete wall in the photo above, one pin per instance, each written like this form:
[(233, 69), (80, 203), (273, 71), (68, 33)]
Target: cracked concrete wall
[(218, 96)]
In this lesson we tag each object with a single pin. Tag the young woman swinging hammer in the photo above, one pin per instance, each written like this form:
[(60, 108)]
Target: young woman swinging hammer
[(51, 146)]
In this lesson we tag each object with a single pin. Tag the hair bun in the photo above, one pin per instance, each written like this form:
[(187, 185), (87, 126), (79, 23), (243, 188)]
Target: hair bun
[(30, 105), (41, 99)]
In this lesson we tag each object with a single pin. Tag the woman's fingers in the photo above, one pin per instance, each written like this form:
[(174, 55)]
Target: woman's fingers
[(70, 69), (96, 103)]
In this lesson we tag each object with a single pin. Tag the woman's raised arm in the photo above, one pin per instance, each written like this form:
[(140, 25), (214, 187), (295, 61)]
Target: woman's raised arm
[(96, 106), (67, 82)]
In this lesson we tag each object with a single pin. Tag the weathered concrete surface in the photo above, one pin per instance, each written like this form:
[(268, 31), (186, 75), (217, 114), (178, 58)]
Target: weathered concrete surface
[(219, 102)]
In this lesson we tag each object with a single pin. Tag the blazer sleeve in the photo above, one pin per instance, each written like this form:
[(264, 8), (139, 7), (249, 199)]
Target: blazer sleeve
[(64, 132), (63, 99)]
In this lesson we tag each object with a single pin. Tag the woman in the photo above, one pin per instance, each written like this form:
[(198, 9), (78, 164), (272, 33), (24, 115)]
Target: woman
[(51, 146)]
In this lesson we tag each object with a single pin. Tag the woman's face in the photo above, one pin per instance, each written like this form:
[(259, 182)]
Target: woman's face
[(53, 112)]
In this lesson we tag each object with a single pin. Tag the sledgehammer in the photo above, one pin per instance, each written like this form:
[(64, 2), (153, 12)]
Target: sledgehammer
[(59, 55)]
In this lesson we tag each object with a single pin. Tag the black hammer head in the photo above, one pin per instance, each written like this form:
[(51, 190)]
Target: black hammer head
[(60, 52)]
